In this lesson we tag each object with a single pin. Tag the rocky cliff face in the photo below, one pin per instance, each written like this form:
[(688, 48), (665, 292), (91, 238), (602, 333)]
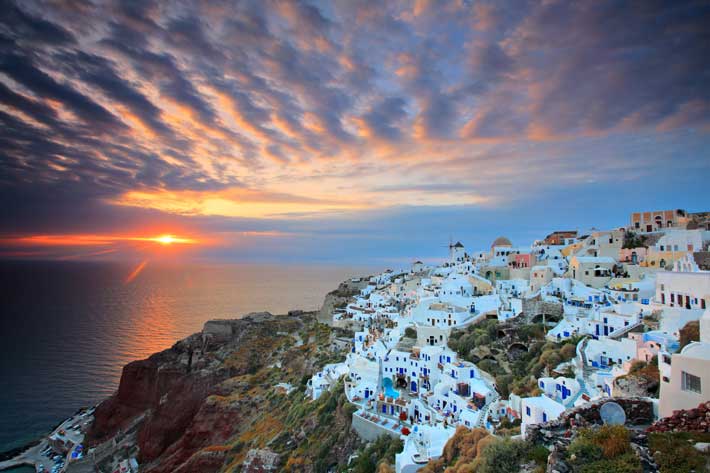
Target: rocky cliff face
[(338, 298), (201, 405)]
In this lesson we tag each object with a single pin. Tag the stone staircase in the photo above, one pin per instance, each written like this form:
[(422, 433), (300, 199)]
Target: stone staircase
[(624, 330), (481, 422), (586, 372)]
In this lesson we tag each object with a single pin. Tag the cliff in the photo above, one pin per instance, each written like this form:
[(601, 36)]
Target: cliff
[(338, 298), (210, 402)]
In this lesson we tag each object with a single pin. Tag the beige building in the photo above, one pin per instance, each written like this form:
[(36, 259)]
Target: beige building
[(658, 220), (685, 376), (540, 276), (495, 273), (594, 271), (689, 290)]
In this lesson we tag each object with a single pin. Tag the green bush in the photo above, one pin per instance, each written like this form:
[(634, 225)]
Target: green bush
[(568, 351), (626, 463), (582, 451), (674, 453), (410, 332), (614, 440), (350, 409), (381, 450), (538, 454), (502, 456)]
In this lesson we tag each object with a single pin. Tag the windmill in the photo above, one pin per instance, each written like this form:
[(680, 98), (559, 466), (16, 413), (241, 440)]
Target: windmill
[(380, 382)]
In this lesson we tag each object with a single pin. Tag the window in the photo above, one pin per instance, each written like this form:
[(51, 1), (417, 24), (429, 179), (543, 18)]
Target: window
[(527, 410), (690, 382), (667, 359)]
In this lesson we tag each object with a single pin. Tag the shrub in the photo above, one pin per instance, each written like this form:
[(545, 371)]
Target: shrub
[(568, 351), (689, 333), (626, 463), (410, 332), (490, 366), (614, 440), (503, 382), (550, 358), (502, 456), (538, 454), (376, 453), (583, 451), (350, 409), (673, 452)]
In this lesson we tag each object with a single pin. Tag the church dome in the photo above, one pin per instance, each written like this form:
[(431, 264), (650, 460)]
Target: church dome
[(501, 241)]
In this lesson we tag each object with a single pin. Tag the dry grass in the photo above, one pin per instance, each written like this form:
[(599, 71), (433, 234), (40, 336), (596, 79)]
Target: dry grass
[(262, 431)]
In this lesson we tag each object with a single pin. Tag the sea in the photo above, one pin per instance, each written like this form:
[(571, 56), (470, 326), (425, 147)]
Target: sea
[(67, 327)]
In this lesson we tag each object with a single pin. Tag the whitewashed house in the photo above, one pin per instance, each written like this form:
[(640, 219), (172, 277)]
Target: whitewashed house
[(536, 410), (685, 376)]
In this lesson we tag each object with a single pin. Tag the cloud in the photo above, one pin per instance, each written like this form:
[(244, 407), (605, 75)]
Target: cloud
[(21, 70), (26, 27), (257, 114)]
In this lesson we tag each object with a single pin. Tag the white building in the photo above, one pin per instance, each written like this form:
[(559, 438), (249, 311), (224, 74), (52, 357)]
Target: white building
[(560, 389), (594, 271), (536, 410), (685, 290), (685, 376), (680, 240), (605, 352)]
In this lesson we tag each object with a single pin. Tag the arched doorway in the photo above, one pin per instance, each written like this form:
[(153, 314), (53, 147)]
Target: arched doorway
[(413, 386)]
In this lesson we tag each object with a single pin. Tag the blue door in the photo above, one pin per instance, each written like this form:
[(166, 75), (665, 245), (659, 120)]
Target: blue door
[(414, 386)]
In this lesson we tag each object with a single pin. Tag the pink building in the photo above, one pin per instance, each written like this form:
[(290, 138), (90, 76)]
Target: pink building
[(521, 261), (649, 344), (633, 255)]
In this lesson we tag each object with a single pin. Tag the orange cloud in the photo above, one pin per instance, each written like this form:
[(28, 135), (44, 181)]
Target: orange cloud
[(233, 203), (95, 240)]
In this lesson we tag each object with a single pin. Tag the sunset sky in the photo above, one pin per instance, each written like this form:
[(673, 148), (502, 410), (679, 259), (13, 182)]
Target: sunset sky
[(343, 131)]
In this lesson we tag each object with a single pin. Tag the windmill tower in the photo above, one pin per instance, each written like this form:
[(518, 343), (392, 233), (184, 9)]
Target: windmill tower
[(380, 381)]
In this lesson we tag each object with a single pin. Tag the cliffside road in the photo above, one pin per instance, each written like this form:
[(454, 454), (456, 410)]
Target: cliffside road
[(64, 433)]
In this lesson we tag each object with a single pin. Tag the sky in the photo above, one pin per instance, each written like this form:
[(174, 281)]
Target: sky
[(346, 131)]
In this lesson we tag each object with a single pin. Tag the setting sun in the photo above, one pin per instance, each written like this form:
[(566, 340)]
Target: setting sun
[(170, 239)]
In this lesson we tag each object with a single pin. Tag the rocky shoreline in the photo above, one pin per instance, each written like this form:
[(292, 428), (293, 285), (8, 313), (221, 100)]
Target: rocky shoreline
[(154, 414)]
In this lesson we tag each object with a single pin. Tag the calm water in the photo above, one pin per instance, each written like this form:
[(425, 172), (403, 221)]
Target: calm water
[(67, 328)]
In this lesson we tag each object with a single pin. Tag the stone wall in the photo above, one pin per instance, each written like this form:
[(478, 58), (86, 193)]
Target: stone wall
[(536, 306), (691, 420), (370, 431), (638, 410)]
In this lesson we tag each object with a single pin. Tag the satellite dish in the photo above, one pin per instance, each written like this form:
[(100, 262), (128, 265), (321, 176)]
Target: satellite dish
[(612, 414)]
